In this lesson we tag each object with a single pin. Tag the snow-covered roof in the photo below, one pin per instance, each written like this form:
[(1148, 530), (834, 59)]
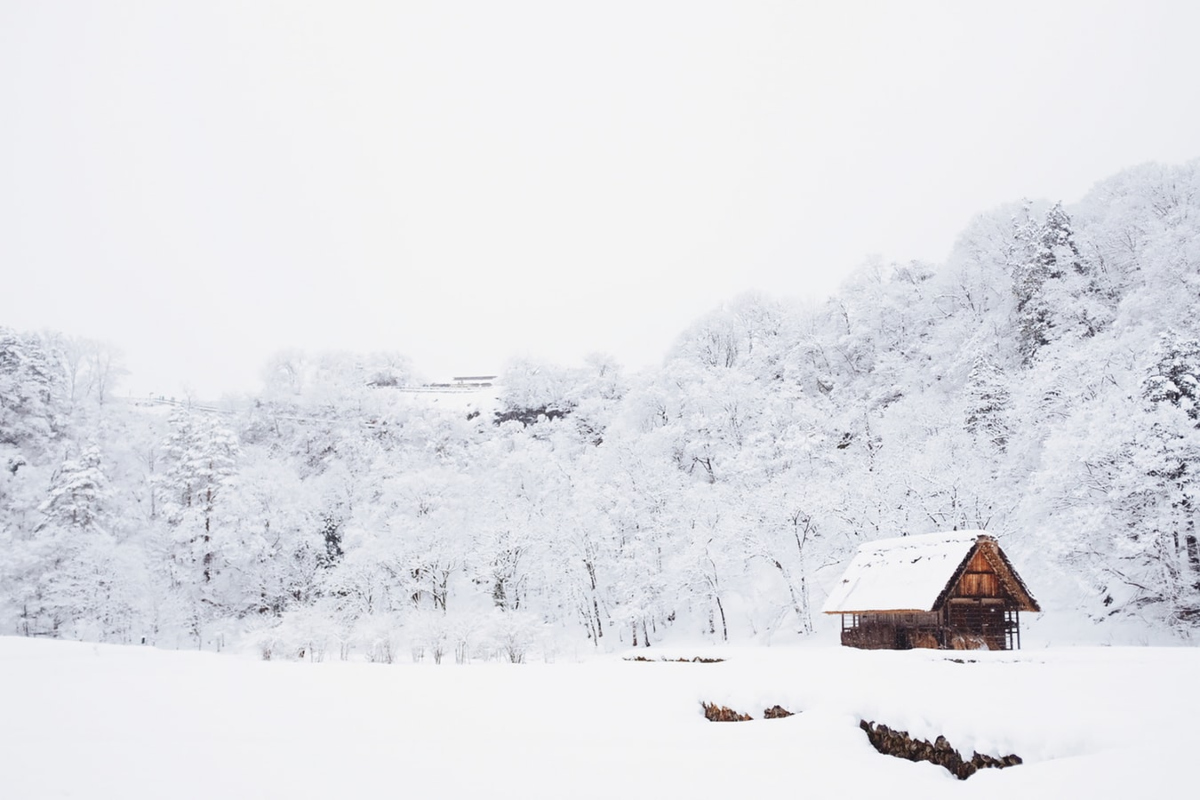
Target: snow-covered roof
[(904, 574)]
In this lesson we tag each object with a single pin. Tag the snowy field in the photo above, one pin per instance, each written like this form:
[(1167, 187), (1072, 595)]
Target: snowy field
[(97, 721)]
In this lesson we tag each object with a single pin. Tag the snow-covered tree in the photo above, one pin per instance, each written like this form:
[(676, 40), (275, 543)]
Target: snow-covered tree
[(986, 397), (1174, 377), (1041, 383)]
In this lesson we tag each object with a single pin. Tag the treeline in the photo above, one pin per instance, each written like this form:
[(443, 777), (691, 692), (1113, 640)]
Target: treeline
[(1041, 383)]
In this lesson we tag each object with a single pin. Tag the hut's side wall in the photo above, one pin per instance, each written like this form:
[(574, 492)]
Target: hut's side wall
[(972, 623), (892, 631)]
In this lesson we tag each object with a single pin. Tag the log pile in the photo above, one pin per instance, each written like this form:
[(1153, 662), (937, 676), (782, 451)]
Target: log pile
[(716, 713), (940, 752)]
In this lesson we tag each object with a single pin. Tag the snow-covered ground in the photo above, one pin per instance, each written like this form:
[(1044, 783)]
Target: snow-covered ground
[(98, 721)]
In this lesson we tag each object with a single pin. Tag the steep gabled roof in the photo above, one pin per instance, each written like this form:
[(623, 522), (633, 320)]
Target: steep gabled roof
[(916, 573), (1008, 577)]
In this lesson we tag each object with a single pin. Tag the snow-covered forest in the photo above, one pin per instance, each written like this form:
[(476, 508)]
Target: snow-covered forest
[(1043, 384)]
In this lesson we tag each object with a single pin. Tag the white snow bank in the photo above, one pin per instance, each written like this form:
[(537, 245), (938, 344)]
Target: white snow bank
[(97, 721)]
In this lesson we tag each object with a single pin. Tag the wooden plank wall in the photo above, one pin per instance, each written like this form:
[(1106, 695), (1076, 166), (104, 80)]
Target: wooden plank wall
[(979, 580)]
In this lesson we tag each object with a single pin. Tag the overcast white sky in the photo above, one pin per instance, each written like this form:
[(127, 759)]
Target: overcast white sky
[(204, 183)]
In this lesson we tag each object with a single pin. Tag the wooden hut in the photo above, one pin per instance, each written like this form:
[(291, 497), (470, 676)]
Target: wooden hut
[(952, 590)]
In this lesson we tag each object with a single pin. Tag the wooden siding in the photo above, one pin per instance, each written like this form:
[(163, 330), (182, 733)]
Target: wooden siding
[(978, 584), (979, 579), (988, 575), (899, 631), (965, 624), (986, 618)]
